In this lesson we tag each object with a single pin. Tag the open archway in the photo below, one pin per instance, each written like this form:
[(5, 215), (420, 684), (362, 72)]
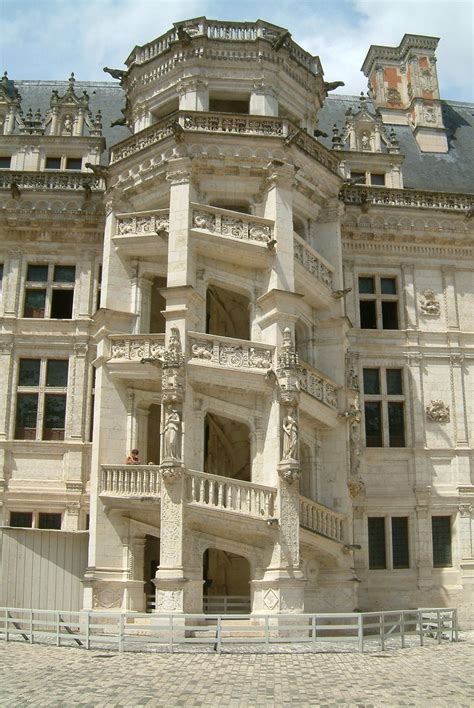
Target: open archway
[(226, 578)]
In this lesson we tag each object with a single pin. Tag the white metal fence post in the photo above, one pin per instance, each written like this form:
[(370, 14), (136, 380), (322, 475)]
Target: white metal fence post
[(88, 637), (382, 631), (219, 629), (314, 628), (360, 632), (171, 629), (121, 631), (31, 627), (420, 624), (402, 629), (267, 634), (438, 616), (6, 625), (455, 624), (58, 634)]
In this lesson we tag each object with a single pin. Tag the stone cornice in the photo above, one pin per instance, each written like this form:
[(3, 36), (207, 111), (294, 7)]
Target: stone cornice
[(397, 54)]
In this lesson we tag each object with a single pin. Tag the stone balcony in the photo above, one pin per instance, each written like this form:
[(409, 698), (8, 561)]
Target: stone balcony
[(121, 484), (224, 124), (140, 232), (322, 520), (313, 273), (318, 385), (51, 181), (125, 351), (248, 238), (242, 362)]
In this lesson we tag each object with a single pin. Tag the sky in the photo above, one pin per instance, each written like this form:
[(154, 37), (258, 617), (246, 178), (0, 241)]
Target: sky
[(47, 39)]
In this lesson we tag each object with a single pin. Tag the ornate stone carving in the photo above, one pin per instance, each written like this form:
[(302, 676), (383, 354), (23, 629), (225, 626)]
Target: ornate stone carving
[(465, 510), (377, 196), (456, 359), (438, 412), (270, 599), (308, 258), (356, 487), (234, 355), (73, 508), (290, 437), (172, 436), (143, 225), (136, 348), (289, 371), (429, 305), (240, 226), (171, 472), (107, 596), (352, 377), (172, 379)]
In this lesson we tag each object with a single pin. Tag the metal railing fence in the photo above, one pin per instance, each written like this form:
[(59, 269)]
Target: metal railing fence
[(119, 631)]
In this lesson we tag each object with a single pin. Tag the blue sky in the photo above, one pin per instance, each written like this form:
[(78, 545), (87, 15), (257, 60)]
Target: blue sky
[(47, 39)]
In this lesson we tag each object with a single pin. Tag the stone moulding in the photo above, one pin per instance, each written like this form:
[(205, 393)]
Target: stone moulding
[(50, 181), (135, 347), (233, 353), (438, 412), (233, 224), (312, 262), (406, 198), (143, 223)]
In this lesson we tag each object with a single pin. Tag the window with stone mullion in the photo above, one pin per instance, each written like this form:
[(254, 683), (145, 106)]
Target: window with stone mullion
[(41, 399), (384, 407)]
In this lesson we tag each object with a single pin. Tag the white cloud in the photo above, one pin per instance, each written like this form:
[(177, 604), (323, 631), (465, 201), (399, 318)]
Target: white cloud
[(49, 38)]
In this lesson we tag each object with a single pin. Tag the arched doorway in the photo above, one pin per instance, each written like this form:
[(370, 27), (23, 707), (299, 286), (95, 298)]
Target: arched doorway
[(226, 578)]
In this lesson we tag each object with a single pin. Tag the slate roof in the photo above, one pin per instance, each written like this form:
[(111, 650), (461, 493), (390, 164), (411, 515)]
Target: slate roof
[(451, 172), (108, 96)]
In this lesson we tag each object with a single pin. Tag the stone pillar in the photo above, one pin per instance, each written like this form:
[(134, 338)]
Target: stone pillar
[(279, 206), (11, 284), (466, 530), (143, 304), (84, 295), (415, 363), (424, 559), (77, 391), (459, 400), (263, 100), (193, 95), (71, 517), (449, 287), (409, 298)]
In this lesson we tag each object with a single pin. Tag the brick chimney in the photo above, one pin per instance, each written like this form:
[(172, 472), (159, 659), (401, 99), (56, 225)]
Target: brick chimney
[(403, 84)]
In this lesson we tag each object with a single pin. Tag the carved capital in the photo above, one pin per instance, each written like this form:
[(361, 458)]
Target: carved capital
[(456, 359), (414, 358), (80, 349), (355, 487), (465, 510)]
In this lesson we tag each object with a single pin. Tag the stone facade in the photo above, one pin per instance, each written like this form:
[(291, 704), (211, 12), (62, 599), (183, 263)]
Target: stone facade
[(276, 322)]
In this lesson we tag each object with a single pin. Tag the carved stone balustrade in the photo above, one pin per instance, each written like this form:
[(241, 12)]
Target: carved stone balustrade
[(313, 262), (224, 493), (321, 519), (314, 383), (50, 181), (224, 124), (229, 352), (411, 198), (135, 347), (232, 224), (129, 481), (144, 223)]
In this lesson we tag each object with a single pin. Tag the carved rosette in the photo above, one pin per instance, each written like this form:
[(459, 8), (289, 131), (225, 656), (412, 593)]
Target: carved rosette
[(438, 412)]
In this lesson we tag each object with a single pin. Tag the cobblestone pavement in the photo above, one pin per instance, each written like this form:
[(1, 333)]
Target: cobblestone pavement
[(50, 676)]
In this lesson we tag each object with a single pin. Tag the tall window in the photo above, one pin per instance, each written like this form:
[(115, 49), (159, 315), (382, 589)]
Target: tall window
[(388, 542), (384, 403), (41, 399), (378, 302), (441, 532), (49, 291)]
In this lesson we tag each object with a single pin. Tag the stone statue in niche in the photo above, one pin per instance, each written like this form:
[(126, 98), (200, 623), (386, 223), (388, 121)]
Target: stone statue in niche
[(438, 412), (290, 439), (171, 436), (365, 142), (429, 305), (67, 125)]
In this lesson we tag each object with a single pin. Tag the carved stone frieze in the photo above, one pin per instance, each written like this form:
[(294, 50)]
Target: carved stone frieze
[(289, 371), (310, 261), (438, 411), (465, 510), (136, 348), (142, 225), (238, 227), (234, 355)]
